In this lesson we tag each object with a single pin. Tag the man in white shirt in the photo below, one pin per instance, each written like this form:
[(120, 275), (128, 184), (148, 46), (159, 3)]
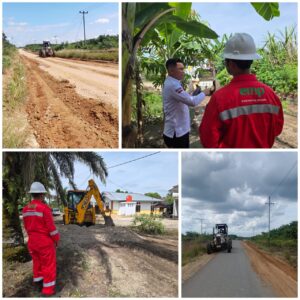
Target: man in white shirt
[(176, 102)]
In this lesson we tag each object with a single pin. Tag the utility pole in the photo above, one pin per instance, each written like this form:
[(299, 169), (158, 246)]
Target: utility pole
[(55, 37), (201, 220), (83, 13), (269, 203)]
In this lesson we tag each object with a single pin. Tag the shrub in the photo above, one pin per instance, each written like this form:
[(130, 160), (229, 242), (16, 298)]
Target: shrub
[(148, 224)]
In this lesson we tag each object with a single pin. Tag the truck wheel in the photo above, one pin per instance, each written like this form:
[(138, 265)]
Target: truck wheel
[(209, 249), (229, 249)]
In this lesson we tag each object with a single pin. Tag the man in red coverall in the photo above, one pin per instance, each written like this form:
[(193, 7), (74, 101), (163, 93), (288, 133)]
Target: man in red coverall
[(43, 238), (245, 113)]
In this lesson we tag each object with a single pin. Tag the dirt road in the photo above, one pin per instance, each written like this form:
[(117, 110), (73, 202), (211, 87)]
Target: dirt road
[(287, 139), (279, 274), (100, 261), (227, 275), (72, 104)]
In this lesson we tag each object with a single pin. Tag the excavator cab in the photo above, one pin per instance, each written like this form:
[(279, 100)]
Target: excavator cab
[(74, 197), (79, 209)]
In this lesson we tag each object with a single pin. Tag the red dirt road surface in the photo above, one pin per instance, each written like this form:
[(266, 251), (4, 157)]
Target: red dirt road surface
[(71, 104), (272, 270)]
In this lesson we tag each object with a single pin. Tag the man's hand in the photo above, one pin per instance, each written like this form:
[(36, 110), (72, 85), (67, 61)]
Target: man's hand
[(207, 92), (197, 91)]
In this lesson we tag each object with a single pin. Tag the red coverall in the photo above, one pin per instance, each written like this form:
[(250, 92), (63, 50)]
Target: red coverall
[(43, 238), (244, 114)]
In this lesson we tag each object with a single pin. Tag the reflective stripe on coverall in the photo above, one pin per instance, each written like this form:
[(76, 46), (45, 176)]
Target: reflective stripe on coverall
[(244, 114), (42, 237)]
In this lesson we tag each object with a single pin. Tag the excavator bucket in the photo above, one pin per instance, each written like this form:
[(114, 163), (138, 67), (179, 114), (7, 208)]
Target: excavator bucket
[(108, 221)]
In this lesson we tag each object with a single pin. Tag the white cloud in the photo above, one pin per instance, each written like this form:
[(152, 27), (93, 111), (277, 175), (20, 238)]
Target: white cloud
[(18, 24), (102, 21)]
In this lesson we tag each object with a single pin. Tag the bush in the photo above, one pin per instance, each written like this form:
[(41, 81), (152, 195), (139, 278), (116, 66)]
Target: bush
[(153, 105), (148, 224), (109, 55)]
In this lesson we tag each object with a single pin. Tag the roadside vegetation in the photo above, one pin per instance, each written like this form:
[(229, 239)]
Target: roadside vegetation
[(193, 245), (149, 224), (110, 55), (283, 242), (104, 48), (14, 95)]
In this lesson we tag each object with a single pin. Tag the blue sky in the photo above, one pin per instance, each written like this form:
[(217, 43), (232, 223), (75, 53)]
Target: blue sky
[(156, 173), (241, 17), (26, 23)]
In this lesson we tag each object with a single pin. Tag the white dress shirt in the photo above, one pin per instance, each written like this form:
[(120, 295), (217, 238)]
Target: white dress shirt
[(175, 104)]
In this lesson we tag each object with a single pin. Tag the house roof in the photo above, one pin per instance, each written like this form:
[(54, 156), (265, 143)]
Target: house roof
[(113, 196), (174, 189)]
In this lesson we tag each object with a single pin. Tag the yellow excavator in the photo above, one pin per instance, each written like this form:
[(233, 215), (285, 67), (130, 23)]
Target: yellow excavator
[(79, 209)]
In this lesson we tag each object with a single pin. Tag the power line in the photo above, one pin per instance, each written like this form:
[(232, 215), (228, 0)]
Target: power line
[(117, 185), (284, 178), (130, 161), (269, 203)]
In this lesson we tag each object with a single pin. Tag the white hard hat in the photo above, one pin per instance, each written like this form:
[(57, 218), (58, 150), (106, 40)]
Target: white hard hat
[(241, 47), (37, 188)]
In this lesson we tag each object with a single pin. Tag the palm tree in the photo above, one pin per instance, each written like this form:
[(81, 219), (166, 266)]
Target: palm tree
[(20, 169)]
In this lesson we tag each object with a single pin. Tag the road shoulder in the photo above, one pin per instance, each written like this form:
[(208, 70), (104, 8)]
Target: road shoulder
[(195, 265), (272, 270)]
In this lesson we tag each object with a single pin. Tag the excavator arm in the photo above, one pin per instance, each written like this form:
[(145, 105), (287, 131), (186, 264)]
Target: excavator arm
[(83, 205)]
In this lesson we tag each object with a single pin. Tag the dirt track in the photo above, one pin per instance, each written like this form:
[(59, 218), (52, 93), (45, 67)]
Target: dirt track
[(72, 104), (279, 274), (100, 261)]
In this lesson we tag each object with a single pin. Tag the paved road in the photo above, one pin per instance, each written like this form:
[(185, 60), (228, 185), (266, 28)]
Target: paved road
[(227, 275)]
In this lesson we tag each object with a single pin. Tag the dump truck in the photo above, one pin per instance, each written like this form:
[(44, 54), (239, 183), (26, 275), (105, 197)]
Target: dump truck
[(46, 50), (80, 210), (220, 239)]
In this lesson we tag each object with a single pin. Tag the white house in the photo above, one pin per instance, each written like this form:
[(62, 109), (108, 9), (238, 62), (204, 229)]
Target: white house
[(129, 203)]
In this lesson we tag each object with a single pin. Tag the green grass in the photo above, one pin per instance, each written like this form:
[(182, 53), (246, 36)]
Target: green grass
[(14, 95), (192, 249), (76, 294), (153, 108), (8, 56), (16, 88), (115, 293), (106, 55), (285, 248)]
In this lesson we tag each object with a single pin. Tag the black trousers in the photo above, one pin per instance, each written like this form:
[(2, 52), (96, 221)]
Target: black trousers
[(177, 142)]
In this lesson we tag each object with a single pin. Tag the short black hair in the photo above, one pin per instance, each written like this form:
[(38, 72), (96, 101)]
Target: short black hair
[(171, 62), (242, 64), (37, 195)]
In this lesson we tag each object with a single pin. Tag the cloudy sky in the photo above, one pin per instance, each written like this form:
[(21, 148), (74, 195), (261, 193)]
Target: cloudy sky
[(241, 17), (155, 173), (26, 23), (232, 188)]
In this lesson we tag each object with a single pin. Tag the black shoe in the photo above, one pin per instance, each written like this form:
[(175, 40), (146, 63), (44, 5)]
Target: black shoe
[(37, 286)]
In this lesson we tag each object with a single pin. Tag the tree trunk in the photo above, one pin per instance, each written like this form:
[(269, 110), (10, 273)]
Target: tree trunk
[(139, 104), (13, 245), (128, 18), (14, 248)]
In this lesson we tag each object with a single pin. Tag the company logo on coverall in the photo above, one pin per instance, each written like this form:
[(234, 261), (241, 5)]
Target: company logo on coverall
[(252, 91)]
